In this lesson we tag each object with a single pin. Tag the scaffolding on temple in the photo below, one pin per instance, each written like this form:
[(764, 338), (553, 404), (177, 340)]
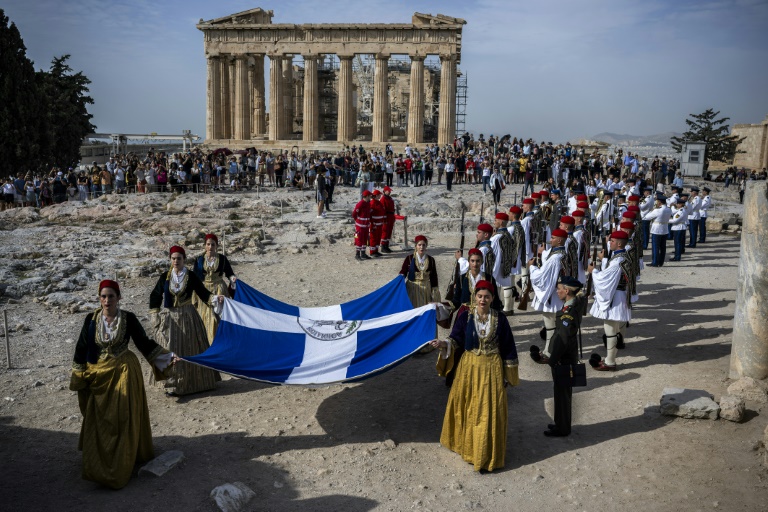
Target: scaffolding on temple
[(461, 103)]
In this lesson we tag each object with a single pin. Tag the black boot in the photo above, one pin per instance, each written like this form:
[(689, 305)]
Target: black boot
[(357, 256)]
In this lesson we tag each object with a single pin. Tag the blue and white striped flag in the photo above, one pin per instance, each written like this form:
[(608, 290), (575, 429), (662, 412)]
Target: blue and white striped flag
[(390, 298), (288, 349)]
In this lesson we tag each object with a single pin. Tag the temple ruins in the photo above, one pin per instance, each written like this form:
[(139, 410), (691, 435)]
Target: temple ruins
[(332, 82)]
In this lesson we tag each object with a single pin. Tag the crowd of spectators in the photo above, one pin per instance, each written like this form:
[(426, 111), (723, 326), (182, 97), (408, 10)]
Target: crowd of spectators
[(490, 162)]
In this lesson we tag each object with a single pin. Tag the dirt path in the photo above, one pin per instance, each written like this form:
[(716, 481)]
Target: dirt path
[(374, 445)]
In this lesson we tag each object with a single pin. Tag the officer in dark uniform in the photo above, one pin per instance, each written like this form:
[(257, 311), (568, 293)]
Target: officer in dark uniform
[(564, 349)]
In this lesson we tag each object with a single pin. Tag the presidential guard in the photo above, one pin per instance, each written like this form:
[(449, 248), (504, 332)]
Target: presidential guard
[(520, 251), (564, 350), (545, 213), (378, 218), (484, 234), (614, 287), (362, 217), (571, 260), (389, 221), (554, 217), (505, 260), (604, 212), (531, 239), (694, 216), (544, 284), (706, 204), (583, 243), (659, 218), (677, 221)]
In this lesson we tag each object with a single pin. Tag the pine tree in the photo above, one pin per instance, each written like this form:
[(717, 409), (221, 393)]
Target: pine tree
[(705, 127), (67, 121), (20, 120)]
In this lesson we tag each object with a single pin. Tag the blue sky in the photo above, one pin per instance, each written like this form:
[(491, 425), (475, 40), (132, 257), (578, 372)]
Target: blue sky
[(552, 69)]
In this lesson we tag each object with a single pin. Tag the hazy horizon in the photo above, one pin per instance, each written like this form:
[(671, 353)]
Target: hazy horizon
[(556, 70)]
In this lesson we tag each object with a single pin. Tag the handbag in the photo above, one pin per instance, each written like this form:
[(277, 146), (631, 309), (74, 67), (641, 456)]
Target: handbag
[(571, 375)]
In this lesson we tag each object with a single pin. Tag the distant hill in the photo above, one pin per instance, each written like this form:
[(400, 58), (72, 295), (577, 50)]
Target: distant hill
[(622, 139)]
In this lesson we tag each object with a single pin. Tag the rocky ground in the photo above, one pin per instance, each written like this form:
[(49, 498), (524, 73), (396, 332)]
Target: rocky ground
[(372, 445)]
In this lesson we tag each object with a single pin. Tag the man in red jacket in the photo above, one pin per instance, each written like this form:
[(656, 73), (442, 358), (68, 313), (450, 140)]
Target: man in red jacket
[(389, 222), (362, 216), (378, 218)]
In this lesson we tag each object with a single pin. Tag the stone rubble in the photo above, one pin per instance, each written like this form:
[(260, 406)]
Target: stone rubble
[(688, 403), (161, 464), (750, 389), (732, 408), (232, 497)]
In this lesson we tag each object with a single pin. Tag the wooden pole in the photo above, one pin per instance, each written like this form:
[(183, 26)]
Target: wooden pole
[(7, 341), (405, 233)]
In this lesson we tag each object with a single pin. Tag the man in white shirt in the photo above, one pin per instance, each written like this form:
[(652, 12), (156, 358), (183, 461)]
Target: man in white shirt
[(677, 221), (659, 229), (706, 204), (646, 205), (694, 216)]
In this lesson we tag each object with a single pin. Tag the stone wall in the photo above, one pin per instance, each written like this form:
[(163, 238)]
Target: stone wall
[(755, 146)]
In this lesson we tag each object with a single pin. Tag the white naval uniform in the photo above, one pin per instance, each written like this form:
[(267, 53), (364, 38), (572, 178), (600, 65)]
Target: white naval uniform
[(706, 204)]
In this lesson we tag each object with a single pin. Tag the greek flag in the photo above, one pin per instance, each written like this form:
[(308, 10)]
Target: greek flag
[(288, 349), (390, 298)]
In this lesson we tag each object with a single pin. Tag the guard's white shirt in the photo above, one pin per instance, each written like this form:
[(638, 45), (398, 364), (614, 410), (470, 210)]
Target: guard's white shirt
[(706, 204), (660, 217), (678, 218), (695, 205)]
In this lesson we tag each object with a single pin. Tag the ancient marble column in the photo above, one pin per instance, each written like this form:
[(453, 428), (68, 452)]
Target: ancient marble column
[(276, 99), (232, 98), (446, 123), (257, 95), (749, 348), (346, 121), (288, 93), (416, 102), (213, 111), (311, 100), (224, 100), (242, 108), (381, 123)]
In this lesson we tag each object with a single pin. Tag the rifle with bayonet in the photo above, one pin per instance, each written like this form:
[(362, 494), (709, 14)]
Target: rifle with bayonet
[(456, 275), (526, 296)]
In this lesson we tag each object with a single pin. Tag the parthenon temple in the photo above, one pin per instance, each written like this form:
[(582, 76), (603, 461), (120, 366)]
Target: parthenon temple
[(333, 82)]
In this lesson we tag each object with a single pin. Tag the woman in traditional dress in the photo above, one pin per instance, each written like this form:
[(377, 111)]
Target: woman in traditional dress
[(211, 268), (116, 432), (475, 423), (421, 275), (179, 327)]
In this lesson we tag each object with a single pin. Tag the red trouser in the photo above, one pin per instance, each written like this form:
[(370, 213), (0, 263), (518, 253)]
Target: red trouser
[(361, 237), (386, 234), (376, 230)]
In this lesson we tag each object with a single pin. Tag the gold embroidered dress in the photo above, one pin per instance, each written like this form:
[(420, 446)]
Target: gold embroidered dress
[(180, 329), (116, 432), (421, 279), (475, 422), (212, 272)]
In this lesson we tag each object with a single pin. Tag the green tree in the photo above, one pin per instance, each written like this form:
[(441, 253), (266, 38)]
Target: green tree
[(20, 109), (705, 127), (67, 121)]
